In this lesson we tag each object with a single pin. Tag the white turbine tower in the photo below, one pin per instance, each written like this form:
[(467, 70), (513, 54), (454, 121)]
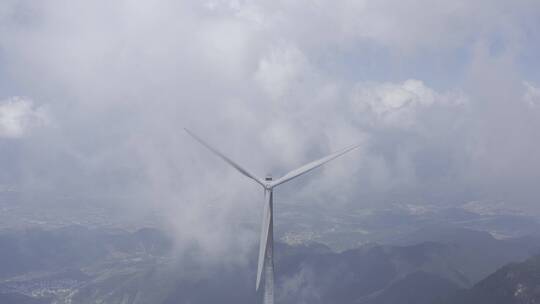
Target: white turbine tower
[(266, 245)]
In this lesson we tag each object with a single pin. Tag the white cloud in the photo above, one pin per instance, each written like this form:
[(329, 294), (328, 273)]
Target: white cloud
[(281, 70), (18, 116), (532, 95), (394, 104)]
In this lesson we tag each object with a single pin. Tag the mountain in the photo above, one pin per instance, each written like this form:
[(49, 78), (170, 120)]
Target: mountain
[(35, 250), (384, 273), (416, 288), (516, 283), (80, 265), (343, 228)]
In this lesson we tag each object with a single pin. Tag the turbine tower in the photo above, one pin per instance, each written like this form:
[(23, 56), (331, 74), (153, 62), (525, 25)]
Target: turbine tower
[(265, 267)]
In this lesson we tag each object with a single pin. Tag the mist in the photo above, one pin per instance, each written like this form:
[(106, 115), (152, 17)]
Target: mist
[(444, 100)]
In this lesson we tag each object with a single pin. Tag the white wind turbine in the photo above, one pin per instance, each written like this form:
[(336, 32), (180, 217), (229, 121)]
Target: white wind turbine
[(266, 245)]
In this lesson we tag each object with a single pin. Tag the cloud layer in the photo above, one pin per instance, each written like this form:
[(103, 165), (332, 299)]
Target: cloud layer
[(442, 96)]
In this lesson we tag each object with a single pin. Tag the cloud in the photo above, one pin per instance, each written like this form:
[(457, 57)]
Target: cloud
[(394, 104), (18, 116), (532, 95), (431, 91), (280, 70)]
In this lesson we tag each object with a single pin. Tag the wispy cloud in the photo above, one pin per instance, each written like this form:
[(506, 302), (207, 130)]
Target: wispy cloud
[(18, 116)]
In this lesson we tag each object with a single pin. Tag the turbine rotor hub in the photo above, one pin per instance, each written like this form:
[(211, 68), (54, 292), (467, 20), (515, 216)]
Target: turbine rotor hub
[(268, 181)]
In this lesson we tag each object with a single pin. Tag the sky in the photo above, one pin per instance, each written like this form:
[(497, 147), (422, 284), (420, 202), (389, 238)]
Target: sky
[(442, 96)]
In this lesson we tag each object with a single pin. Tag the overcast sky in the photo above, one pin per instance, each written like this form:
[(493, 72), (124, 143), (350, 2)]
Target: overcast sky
[(443, 96)]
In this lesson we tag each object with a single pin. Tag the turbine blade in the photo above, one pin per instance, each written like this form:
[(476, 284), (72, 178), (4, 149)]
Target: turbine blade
[(266, 229), (225, 158), (308, 167)]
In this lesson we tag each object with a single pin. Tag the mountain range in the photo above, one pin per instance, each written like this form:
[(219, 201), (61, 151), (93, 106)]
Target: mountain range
[(515, 283), (76, 264)]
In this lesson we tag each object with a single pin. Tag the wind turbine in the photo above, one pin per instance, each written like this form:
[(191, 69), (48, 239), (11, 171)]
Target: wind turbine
[(266, 244)]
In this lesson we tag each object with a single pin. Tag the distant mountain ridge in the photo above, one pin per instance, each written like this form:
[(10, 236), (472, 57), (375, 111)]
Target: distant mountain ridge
[(515, 283), (72, 246), (79, 265), (348, 229), (383, 273)]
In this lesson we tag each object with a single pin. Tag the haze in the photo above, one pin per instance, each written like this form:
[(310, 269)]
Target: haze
[(443, 96)]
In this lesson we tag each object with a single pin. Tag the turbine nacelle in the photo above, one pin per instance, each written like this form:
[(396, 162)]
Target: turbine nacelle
[(268, 182)]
